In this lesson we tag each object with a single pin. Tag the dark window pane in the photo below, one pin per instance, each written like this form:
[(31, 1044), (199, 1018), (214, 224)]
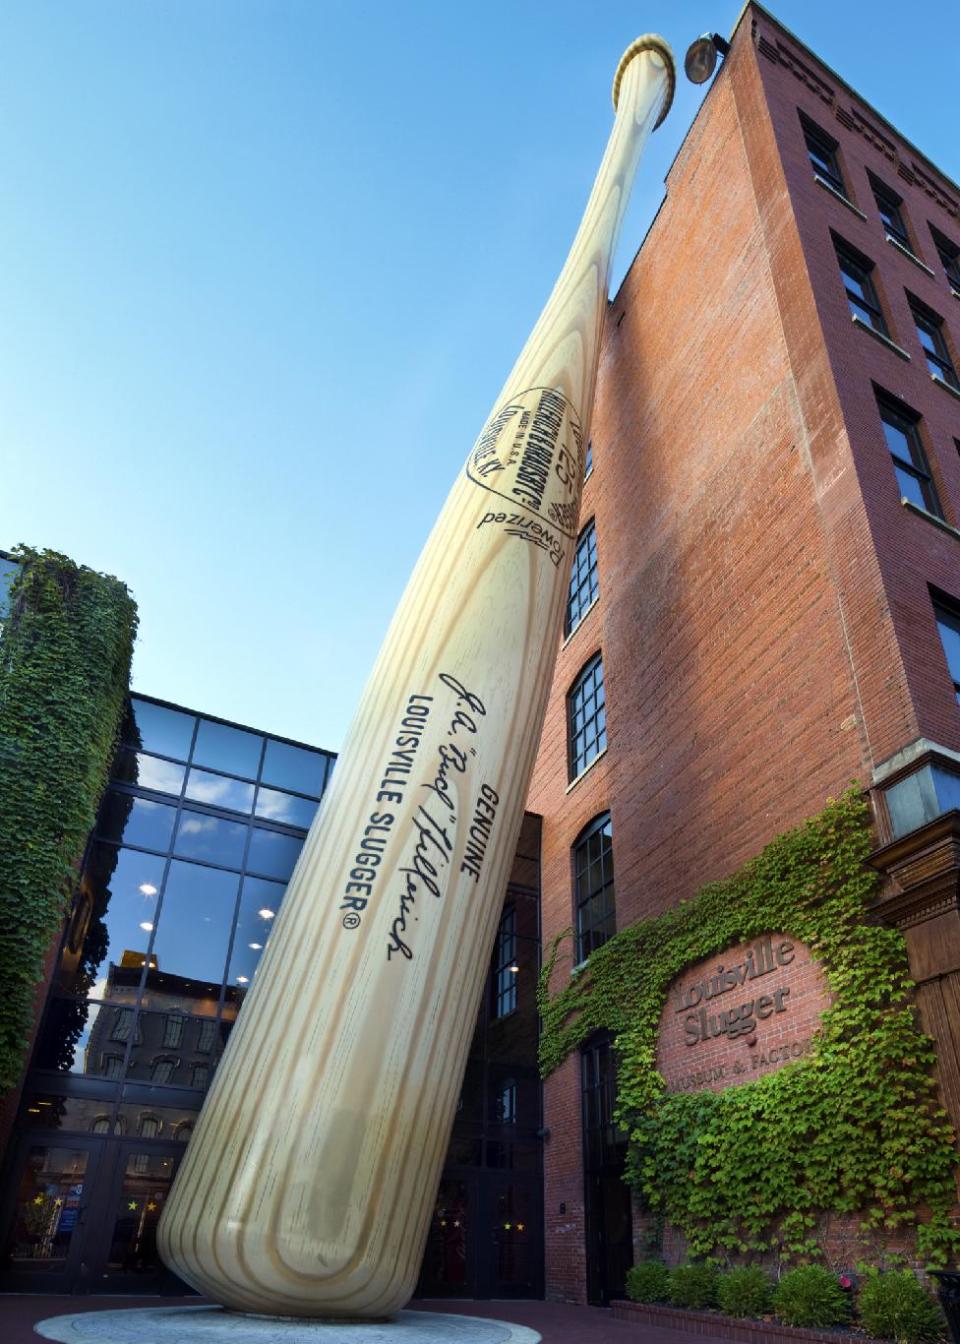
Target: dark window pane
[(285, 807), (203, 837), (168, 1120), (149, 727), (294, 768), (586, 718), (259, 904), (588, 464), (230, 749), (272, 854), (78, 1114), (47, 1208), (910, 487), (593, 886), (194, 924), (584, 583), (136, 821), (112, 919), (219, 791), (153, 1060)]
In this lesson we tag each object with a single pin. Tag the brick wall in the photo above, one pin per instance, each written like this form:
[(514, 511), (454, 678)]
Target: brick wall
[(763, 616)]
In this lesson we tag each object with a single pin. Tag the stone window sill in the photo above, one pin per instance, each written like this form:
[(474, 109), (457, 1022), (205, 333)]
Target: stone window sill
[(947, 387), (879, 336), (895, 242), (586, 770), (838, 195), (942, 523)]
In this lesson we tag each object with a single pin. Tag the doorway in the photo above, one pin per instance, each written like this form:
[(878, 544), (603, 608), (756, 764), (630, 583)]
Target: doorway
[(608, 1215), (82, 1213)]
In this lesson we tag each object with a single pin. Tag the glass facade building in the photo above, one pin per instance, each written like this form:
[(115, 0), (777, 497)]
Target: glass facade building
[(196, 837)]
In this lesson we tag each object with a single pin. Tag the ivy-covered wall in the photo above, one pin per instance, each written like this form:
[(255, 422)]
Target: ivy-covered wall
[(854, 1128), (64, 671)]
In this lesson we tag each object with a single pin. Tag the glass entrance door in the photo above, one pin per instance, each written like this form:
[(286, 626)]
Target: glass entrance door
[(83, 1217), (47, 1215)]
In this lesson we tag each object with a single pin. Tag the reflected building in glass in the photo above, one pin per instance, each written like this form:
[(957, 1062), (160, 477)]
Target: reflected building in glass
[(183, 876)]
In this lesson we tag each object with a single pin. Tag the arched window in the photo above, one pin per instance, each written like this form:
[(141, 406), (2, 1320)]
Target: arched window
[(163, 1069), (586, 717), (149, 1127), (593, 886), (584, 584)]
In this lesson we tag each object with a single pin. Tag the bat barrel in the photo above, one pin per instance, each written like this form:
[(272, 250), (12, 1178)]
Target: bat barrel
[(308, 1186)]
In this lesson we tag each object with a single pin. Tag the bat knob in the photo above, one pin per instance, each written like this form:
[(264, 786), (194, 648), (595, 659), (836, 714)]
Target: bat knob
[(660, 52)]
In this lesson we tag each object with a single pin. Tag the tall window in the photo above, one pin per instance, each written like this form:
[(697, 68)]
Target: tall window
[(586, 717), (588, 465), (822, 149), (949, 255), (888, 205), (505, 967), (172, 1030), (901, 431), (930, 330), (163, 1070), (948, 623), (122, 1024), (584, 584), (858, 282), (593, 886)]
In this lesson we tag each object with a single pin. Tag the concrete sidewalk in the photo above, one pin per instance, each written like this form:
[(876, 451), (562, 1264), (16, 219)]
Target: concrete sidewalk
[(556, 1322)]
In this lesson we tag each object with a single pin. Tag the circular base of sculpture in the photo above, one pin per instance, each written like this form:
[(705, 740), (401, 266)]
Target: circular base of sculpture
[(214, 1325)]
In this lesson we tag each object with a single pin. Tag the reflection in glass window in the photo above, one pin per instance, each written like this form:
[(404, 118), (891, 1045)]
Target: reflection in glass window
[(902, 433), (232, 750), (149, 1127), (219, 791), (150, 772), (163, 1070), (203, 837), (199, 1075), (286, 807), (76, 1038), (207, 1036), (272, 854), (505, 1103), (122, 1024), (149, 727), (114, 912), (173, 1030), (193, 926), (9, 569), (295, 768), (136, 821), (259, 904)]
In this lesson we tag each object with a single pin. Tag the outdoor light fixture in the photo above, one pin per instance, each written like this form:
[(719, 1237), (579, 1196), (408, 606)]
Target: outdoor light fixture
[(701, 58)]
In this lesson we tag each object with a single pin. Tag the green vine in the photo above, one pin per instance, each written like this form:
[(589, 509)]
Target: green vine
[(64, 670), (854, 1128)]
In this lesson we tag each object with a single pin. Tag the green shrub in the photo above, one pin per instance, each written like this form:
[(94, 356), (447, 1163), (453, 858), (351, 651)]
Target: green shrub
[(693, 1286), (811, 1296), (744, 1292), (896, 1306), (648, 1282)]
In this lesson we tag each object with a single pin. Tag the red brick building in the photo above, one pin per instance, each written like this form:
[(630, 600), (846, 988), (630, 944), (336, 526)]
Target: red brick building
[(766, 600)]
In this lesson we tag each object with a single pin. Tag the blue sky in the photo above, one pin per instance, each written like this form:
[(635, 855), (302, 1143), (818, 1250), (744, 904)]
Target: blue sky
[(265, 264)]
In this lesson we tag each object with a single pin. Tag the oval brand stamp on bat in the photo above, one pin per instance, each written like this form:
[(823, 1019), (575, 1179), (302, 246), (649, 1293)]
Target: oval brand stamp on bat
[(531, 455)]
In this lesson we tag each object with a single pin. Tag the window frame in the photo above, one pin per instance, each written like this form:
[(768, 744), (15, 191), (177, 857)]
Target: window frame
[(830, 170), (580, 761), (504, 999), (887, 200), (850, 262), (901, 417), (585, 578), (946, 611), (949, 255), (592, 932), (939, 361)]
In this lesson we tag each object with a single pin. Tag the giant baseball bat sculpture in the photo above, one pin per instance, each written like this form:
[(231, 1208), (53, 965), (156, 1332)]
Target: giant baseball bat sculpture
[(308, 1185)]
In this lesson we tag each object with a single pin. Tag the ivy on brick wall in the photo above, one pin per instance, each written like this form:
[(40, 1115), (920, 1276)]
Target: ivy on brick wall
[(854, 1128), (64, 670)]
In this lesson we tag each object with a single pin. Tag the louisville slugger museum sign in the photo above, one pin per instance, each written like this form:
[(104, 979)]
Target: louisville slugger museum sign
[(740, 1015)]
